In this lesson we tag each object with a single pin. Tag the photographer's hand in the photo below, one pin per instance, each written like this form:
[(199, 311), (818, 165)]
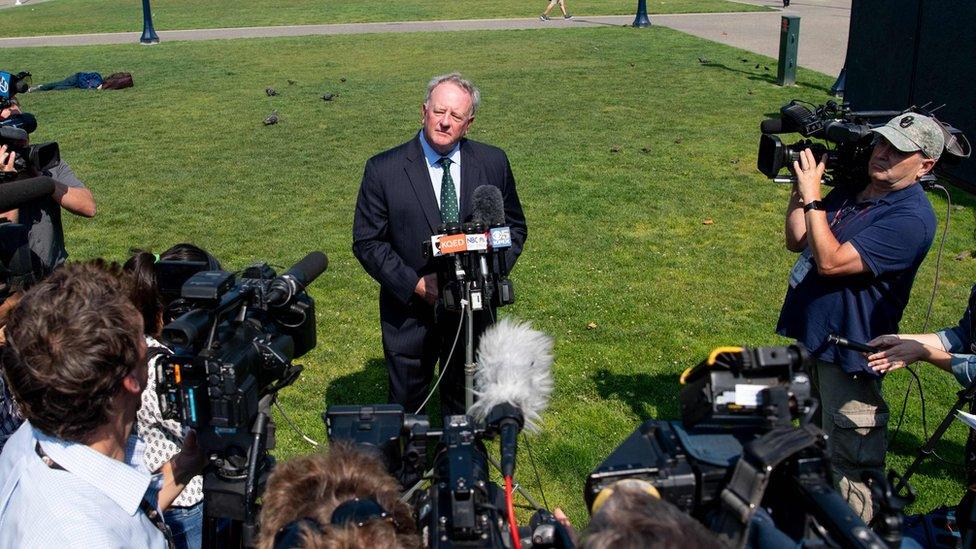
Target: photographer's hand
[(806, 188), (831, 257), (809, 175), (178, 471), (562, 519), (7, 160)]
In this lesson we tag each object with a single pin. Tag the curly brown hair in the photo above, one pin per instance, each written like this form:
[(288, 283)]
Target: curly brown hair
[(71, 341), (314, 485)]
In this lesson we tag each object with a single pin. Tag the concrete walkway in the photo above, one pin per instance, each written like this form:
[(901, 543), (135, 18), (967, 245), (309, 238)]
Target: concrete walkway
[(823, 30)]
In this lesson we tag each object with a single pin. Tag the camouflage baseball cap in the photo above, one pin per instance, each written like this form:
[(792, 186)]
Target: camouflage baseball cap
[(912, 132)]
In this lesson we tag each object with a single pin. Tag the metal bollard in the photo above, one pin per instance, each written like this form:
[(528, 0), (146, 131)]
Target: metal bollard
[(148, 32), (642, 20), (789, 42)]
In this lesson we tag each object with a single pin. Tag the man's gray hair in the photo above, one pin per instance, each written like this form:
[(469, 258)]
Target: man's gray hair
[(459, 81)]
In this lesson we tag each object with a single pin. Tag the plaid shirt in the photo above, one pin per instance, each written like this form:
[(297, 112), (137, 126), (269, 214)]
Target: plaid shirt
[(10, 418)]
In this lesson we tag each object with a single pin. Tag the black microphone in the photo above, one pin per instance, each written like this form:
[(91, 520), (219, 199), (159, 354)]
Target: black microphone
[(17, 193), (488, 206), (850, 344), (513, 382), (295, 279)]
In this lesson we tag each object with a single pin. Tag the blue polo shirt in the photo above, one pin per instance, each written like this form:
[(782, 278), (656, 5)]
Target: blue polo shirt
[(892, 234)]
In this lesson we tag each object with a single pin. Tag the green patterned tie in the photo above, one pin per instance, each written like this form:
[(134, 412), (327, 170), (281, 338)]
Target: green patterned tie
[(449, 201)]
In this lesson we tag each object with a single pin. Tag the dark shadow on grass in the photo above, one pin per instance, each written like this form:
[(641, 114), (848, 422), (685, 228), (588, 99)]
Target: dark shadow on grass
[(762, 77), (639, 391), (369, 386), (366, 386), (907, 445)]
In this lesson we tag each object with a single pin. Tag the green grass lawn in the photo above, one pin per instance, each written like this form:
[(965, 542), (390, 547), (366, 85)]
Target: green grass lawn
[(86, 16), (622, 143)]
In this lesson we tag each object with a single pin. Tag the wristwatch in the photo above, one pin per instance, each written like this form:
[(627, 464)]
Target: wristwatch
[(814, 205)]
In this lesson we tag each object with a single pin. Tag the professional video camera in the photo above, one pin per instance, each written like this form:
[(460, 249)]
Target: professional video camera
[(11, 84), (737, 452), (848, 131), (14, 131), (30, 159), (462, 506), (233, 351), (20, 268)]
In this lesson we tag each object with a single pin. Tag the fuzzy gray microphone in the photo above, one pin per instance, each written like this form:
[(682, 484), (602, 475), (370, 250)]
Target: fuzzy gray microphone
[(515, 368), (487, 205)]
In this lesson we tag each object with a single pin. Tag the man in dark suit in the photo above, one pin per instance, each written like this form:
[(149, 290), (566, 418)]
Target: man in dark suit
[(405, 194)]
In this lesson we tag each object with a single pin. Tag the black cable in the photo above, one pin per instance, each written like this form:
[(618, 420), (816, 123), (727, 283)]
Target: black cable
[(938, 257), (925, 325), (938, 265), (921, 396), (535, 470), (904, 405)]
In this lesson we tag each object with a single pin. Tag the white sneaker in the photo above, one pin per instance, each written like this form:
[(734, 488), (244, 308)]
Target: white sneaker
[(18, 3)]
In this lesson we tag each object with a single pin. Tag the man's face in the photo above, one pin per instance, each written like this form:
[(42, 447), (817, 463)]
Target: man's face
[(136, 381), (895, 169), (446, 116)]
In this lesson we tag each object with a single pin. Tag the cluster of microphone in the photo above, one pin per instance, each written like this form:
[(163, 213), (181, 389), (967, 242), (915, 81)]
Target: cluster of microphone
[(472, 255)]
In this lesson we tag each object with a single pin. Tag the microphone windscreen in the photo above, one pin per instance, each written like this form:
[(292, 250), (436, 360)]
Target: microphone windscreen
[(309, 268), (488, 206), (514, 367), (17, 193)]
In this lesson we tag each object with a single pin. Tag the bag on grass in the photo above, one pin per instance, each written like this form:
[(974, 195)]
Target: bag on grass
[(117, 81)]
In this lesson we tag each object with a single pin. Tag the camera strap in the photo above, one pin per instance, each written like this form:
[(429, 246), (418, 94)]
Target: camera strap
[(147, 508), (744, 492)]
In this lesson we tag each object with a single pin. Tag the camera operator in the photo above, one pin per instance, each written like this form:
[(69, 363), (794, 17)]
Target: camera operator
[(73, 473), (860, 250), (630, 514), (406, 193), (164, 438), (343, 498), (43, 217)]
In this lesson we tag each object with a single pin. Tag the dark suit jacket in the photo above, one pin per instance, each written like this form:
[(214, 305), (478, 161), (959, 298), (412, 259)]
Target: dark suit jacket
[(397, 210)]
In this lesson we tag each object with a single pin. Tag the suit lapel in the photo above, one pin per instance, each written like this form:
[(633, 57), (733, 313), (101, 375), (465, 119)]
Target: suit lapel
[(472, 176), (419, 177)]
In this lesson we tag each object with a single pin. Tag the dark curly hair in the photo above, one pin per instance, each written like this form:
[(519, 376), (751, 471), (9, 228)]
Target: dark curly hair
[(71, 341), (314, 485)]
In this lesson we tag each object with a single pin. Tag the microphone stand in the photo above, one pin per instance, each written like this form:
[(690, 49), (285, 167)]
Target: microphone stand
[(469, 365), (965, 395)]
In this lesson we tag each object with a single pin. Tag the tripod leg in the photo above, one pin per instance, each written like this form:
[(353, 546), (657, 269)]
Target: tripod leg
[(929, 447)]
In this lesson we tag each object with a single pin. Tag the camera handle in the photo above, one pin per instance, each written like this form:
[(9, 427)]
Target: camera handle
[(405, 498), (887, 522), (469, 365), (231, 533)]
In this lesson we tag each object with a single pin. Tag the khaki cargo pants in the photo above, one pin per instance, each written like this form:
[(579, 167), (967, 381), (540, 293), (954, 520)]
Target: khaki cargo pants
[(854, 416)]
